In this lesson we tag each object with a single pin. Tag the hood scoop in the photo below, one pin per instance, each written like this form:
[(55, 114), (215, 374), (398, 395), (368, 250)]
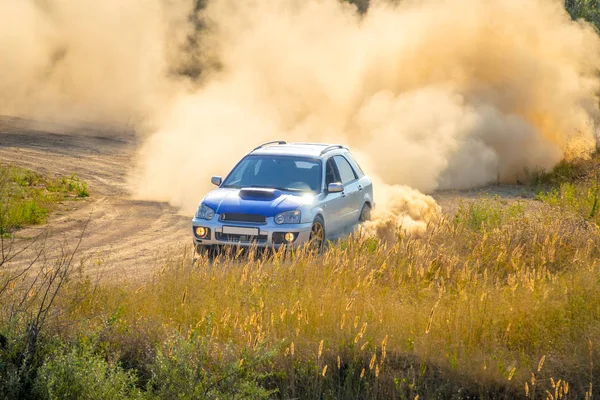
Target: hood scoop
[(260, 193)]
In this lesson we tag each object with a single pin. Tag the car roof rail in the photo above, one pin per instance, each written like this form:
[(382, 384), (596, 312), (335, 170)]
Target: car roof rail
[(332, 147), (271, 142)]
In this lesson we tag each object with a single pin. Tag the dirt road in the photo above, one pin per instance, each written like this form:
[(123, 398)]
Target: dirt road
[(124, 237)]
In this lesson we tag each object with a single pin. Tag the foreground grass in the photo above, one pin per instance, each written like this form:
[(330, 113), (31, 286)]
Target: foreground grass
[(499, 301), (505, 308), (28, 197)]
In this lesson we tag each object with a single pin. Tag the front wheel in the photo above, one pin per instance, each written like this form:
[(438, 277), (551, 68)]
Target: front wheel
[(317, 234)]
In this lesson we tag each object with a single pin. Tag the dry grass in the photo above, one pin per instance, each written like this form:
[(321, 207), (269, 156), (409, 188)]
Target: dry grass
[(497, 301), (467, 309)]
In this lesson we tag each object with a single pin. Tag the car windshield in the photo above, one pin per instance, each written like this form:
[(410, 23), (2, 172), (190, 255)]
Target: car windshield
[(276, 172)]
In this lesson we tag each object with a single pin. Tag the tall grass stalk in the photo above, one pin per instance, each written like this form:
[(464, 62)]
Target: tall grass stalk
[(465, 308)]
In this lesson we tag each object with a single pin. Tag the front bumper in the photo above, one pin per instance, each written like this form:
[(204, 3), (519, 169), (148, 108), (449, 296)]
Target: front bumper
[(244, 234)]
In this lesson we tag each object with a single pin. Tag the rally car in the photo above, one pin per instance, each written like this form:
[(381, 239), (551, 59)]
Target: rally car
[(285, 194)]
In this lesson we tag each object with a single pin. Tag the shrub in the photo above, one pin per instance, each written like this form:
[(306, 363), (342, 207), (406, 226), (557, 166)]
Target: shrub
[(488, 213), (195, 368), (74, 184), (26, 197), (79, 373), (580, 198)]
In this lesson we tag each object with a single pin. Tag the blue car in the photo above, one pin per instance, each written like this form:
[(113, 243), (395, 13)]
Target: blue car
[(285, 194)]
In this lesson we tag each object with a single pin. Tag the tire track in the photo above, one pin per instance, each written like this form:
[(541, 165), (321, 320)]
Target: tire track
[(124, 238)]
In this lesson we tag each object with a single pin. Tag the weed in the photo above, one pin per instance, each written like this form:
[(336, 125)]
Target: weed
[(74, 184), (194, 367), (499, 302), (580, 198), (487, 213), (27, 197), (564, 171), (79, 373), (466, 310)]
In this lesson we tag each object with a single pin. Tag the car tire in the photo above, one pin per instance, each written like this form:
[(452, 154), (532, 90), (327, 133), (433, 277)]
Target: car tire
[(317, 234), (365, 213)]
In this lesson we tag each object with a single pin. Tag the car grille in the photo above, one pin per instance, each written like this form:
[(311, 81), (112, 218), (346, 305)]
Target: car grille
[(236, 217), (246, 239)]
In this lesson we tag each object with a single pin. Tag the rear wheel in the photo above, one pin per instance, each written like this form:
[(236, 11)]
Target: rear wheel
[(365, 213), (317, 234)]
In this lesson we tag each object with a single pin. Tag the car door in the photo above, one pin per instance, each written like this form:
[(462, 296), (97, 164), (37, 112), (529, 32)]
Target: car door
[(364, 181), (352, 192), (335, 205)]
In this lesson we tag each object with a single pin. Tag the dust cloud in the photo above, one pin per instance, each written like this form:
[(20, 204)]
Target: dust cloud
[(400, 209), (430, 94), (89, 61)]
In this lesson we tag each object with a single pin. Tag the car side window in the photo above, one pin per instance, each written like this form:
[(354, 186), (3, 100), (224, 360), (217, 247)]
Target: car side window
[(354, 164), (330, 173), (347, 174)]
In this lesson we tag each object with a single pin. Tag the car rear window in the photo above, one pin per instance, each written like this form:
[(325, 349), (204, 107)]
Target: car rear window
[(355, 164), (347, 174)]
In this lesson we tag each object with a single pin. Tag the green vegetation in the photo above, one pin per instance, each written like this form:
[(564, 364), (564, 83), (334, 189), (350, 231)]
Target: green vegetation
[(79, 373), (28, 197), (488, 213), (73, 184), (564, 171), (580, 199), (574, 187), (585, 9), (588, 10)]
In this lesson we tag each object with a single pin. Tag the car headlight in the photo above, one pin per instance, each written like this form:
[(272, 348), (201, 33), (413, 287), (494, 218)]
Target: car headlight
[(205, 212), (288, 217)]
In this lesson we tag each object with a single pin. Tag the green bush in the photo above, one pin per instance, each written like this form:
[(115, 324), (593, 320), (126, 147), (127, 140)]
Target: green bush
[(74, 184), (564, 171), (10, 375), (28, 212), (580, 198), (79, 373), (585, 9), (193, 368), (26, 197), (488, 213)]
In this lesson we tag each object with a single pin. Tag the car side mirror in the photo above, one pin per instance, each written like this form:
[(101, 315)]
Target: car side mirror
[(335, 187), (216, 180)]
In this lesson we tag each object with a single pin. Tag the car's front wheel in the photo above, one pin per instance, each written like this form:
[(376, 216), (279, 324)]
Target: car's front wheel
[(317, 234)]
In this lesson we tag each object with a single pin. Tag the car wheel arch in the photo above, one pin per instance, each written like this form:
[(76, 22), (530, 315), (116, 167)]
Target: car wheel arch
[(315, 212), (361, 217), (319, 215)]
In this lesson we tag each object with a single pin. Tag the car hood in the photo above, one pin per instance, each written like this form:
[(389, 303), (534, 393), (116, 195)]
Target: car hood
[(266, 202)]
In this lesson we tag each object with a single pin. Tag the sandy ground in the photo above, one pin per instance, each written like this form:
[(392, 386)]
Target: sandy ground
[(123, 237), (139, 234)]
